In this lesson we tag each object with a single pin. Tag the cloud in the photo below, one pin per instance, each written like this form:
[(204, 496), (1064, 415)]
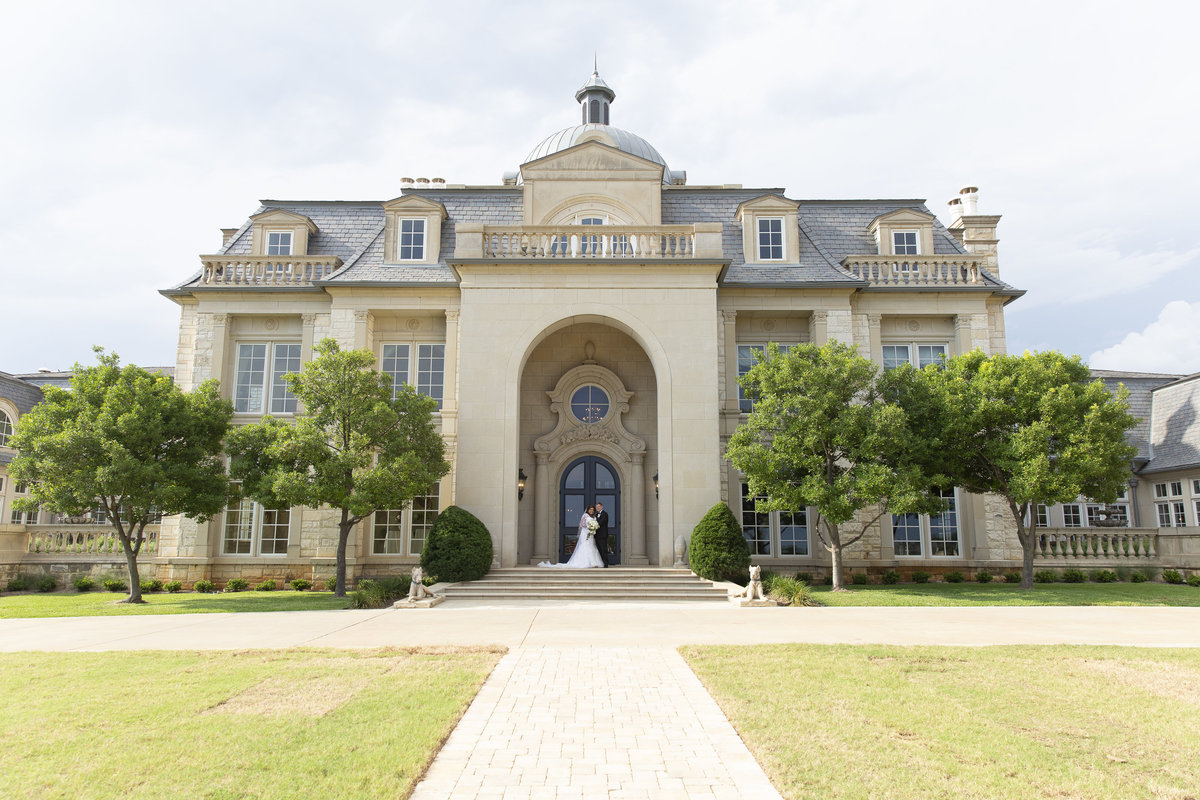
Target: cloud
[(1169, 344)]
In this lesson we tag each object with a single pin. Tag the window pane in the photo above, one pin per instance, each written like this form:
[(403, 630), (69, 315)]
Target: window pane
[(273, 536), (1176, 488), (793, 533), (756, 526), (287, 360), (279, 243), (431, 368), (412, 239), (424, 513), (395, 364), (239, 523), (1160, 490), (1180, 518), (931, 354), (1043, 516), (605, 478), (1164, 515), (904, 243), (770, 239), (6, 429), (894, 355), (574, 479), (906, 534), (1071, 516), (251, 372), (943, 528), (746, 358), (388, 531), (589, 404)]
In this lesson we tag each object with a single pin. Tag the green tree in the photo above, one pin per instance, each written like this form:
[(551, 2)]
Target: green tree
[(358, 446), (1032, 429), (131, 441), (822, 436)]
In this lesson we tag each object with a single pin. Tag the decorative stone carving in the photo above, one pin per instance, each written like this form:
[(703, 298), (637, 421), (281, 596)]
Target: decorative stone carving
[(452, 315), (589, 353), (569, 432), (768, 324), (591, 432), (730, 317), (413, 324), (418, 595), (271, 324), (680, 551), (753, 594)]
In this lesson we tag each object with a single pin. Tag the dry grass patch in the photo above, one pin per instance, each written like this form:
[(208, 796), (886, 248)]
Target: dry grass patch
[(909, 723)]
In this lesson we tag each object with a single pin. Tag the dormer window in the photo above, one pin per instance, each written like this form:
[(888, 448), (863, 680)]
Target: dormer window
[(770, 239), (279, 243), (905, 243), (412, 240)]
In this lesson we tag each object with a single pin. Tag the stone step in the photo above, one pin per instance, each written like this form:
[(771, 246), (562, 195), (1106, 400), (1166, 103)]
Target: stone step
[(574, 594), (614, 583)]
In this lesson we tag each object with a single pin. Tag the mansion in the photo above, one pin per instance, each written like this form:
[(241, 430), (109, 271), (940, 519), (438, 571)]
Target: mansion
[(582, 326)]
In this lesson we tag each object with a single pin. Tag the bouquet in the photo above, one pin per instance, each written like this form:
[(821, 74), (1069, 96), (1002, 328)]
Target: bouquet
[(593, 526)]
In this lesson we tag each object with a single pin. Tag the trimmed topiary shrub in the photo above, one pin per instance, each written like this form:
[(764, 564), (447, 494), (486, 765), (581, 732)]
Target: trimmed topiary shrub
[(1045, 576), (17, 584), (45, 583), (953, 576), (331, 584), (1073, 575), (173, 586), (84, 583), (1172, 576), (265, 586), (859, 579), (301, 585), (983, 576), (459, 547), (1137, 577), (891, 576), (1012, 577), (154, 585), (920, 576), (1194, 579), (1104, 576), (237, 585), (204, 586), (114, 584), (718, 550)]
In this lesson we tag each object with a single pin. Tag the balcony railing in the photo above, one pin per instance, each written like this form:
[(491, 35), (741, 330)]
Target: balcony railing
[(632, 242), (94, 540), (915, 270), (270, 271), (1097, 543)]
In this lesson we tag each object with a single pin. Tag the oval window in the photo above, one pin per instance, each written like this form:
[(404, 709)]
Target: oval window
[(589, 404)]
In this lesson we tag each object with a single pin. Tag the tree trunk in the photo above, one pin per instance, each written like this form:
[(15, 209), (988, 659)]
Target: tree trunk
[(135, 583), (1027, 539), (339, 590), (835, 551)]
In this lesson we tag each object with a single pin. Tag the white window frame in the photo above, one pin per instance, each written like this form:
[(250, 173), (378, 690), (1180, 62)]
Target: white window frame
[(926, 525), (420, 358), (273, 395), (395, 530), (914, 355), (281, 247), (417, 245), (915, 244), (1196, 486), (776, 522), (261, 519), (771, 244), (745, 405), (6, 428)]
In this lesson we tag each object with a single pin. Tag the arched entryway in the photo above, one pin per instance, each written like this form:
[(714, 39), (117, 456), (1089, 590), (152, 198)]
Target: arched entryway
[(586, 481)]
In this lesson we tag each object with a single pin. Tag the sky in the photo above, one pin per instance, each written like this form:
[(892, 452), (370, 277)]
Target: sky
[(132, 132)]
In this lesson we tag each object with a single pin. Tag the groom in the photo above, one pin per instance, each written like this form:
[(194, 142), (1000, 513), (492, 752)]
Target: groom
[(602, 532)]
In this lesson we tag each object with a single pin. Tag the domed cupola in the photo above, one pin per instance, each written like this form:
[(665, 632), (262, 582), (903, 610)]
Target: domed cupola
[(595, 97)]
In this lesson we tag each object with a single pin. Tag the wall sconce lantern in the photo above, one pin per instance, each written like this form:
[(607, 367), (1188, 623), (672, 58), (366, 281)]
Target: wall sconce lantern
[(655, 479), (521, 477)]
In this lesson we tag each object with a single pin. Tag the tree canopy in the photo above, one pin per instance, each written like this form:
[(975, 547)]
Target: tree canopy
[(130, 441), (821, 435), (1032, 429), (358, 444)]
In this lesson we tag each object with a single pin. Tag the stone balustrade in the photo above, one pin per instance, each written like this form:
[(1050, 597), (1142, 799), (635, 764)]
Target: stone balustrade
[(916, 270), (281, 271), (632, 242), (1127, 544), (84, 540)]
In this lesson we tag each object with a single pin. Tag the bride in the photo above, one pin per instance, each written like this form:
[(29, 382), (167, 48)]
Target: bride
[(586, 554)]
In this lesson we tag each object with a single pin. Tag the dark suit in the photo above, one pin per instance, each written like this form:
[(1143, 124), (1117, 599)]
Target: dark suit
[(602, 536)]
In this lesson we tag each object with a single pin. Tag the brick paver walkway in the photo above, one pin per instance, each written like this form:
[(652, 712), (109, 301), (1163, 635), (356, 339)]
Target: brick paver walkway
[(618, 723)]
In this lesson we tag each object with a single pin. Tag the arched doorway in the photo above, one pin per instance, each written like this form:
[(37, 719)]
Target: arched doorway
[(585, 481)]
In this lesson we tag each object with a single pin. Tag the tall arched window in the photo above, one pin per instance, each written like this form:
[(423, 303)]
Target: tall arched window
[(6, 429)]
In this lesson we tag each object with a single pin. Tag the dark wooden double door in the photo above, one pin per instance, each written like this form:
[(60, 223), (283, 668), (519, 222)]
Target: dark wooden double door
[(584, 482)]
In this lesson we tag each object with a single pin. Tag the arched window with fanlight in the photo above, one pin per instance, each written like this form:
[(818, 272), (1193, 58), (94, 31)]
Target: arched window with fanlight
[(6, 429)]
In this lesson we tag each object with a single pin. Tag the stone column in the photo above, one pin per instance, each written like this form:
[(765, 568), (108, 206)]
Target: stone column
[(220, 327), (449, 411), (874, 321), (307, 323), (818, 327), (541, 509), (971, 332), (362, 329), (637, 513), (729, 318)]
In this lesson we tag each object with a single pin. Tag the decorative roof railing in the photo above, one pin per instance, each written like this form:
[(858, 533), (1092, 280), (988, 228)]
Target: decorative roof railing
[(269, 271), (633, 242), (905, 271)]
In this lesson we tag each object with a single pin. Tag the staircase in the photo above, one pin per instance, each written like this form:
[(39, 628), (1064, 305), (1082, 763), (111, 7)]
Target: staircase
[(635, 584)]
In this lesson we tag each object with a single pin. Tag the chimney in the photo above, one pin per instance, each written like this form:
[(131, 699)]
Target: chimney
[(439, 183), (406, 183), (976, 231), (227, 235), (422, 183)]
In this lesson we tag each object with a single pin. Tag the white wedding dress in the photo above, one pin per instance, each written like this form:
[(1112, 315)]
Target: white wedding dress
[(586, 555)]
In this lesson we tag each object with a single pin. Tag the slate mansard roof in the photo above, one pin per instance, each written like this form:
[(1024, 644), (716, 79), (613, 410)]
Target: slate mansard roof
[(1167, 407), (829, 230)]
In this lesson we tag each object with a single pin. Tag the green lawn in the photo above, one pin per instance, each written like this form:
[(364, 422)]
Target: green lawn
[(910, 723), (223, 725), (98, 604), (1010, 594)]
